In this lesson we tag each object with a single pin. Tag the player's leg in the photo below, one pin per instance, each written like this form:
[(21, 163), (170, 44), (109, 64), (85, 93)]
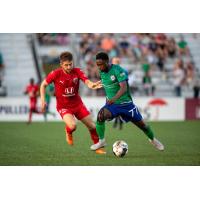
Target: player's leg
[(34, 107), (103, 115), (31, 110), (149, 133), (30, 116), (115, 122), (120, 123), (83, 115), (145, 128), (70, 127), (130, 112), (87, 121)]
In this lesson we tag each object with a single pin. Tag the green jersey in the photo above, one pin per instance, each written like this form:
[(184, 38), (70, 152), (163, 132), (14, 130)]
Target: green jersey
[(49, 92), (111, 80)]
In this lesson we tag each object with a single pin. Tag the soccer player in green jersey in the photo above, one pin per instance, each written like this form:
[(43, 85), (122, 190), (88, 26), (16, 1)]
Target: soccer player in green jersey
[(114, 79), (49, 92)]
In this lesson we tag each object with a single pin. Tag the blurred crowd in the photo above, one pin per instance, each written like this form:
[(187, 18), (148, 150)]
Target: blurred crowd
[(156, 62), (150, 51), (53, 38)]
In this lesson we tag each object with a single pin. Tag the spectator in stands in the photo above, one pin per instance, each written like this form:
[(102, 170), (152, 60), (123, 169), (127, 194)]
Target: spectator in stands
[(151, 58), (183, 47), (189, 73), (160, 58), (152, 44), (171, 48), (134, 40), (196, 88), (124, 46), (178, 77), (3, 90), (108, 43), (161, 41), (83, 44)]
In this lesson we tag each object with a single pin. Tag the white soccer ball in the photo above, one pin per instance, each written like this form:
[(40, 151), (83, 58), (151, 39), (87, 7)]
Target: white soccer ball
[(120, 148)]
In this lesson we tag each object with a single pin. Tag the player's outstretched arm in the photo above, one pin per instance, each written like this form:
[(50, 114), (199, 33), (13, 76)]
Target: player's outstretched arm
[(42, 95), (93, 85)]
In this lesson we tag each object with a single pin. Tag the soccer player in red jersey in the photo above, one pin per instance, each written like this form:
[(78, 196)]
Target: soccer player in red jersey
[(32, 90), (69, 104)]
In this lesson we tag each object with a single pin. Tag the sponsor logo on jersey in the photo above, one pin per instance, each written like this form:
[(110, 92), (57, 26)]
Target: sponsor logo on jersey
[(69, 92), (122, 74), (75, 80), (112, 77)]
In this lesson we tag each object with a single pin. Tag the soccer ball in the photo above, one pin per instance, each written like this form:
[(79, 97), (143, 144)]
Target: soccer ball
[(120, 148)]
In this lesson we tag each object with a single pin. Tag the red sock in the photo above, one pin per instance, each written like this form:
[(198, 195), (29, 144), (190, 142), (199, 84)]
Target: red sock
[(94, 136), (68, 130)]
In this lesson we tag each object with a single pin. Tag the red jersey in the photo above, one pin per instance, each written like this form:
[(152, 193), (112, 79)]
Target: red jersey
[(32, 91), (66, 87)]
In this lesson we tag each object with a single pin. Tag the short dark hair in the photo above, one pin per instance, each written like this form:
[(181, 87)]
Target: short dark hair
[(32, 80), (66, 56), (102, 56)]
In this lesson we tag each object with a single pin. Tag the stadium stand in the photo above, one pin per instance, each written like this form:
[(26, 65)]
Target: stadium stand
[(158, 64), (18, 60)]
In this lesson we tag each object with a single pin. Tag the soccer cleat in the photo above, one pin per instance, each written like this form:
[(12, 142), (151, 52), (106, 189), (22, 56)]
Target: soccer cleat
[(98, 145), (100, 151), (69, 139), (157, 144)]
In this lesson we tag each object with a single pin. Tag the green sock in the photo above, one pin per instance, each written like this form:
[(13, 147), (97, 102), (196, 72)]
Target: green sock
[(100, 127), (149, 133)]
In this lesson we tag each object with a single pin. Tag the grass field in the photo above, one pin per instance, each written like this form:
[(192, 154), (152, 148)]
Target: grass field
[(44, 144)]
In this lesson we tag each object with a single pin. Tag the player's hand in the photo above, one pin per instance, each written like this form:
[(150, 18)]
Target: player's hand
[(109, 101), (95, 85), (43, 106)]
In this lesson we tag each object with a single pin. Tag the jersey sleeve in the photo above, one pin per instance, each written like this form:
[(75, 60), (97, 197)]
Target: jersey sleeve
[(121, 74), (51, 77), (81, 75)]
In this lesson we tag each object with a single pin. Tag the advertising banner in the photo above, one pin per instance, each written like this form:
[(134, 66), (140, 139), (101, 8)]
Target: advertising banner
[(153, 109), (192, 109)]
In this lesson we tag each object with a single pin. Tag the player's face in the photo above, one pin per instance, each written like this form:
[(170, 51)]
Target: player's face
[(67, 66), (102, 64)]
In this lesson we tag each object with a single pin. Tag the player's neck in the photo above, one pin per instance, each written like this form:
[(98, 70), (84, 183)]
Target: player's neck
[(108, 68), (66, 72)]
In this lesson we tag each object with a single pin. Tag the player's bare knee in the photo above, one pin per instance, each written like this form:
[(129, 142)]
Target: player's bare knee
[(100, 116), (103, 115)]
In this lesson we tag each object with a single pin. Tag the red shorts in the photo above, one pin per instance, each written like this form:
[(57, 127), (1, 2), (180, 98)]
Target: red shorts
[(79, 112)]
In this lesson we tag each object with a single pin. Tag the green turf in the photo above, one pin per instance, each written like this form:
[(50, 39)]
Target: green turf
[(44, 144)]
